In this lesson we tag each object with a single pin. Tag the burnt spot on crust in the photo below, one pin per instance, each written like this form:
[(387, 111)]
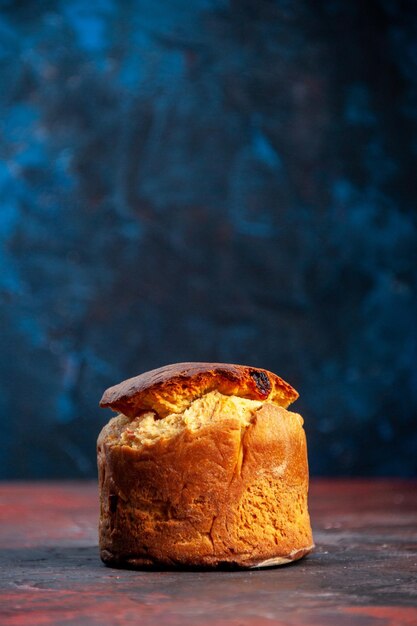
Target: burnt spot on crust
[(113, 500), (261, 381), (228, 375)]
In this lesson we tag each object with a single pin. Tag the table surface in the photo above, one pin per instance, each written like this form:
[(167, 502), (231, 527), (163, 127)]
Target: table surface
[(363, 571)]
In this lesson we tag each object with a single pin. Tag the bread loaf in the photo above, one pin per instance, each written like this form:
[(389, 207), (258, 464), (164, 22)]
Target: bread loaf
[(204, 466)]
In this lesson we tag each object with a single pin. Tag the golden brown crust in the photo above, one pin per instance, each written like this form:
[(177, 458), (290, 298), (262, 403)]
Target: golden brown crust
[(225, 495), (172, 388)]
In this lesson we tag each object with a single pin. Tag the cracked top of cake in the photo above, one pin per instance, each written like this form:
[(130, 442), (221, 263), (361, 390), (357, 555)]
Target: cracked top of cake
[(173, 388)]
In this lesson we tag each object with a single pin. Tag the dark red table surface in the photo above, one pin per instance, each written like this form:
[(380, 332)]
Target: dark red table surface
[(363, 571)]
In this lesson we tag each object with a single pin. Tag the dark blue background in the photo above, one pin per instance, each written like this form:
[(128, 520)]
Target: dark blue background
[(208, 180)]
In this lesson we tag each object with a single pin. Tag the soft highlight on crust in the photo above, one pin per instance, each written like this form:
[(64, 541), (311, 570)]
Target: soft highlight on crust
[(170, 389)]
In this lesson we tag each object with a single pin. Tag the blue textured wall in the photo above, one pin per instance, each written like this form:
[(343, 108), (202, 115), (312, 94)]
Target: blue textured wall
[(208, 180)]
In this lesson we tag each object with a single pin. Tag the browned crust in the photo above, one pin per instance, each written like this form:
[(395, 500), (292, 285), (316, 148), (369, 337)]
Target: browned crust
[(222, 496), (170, 389)]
